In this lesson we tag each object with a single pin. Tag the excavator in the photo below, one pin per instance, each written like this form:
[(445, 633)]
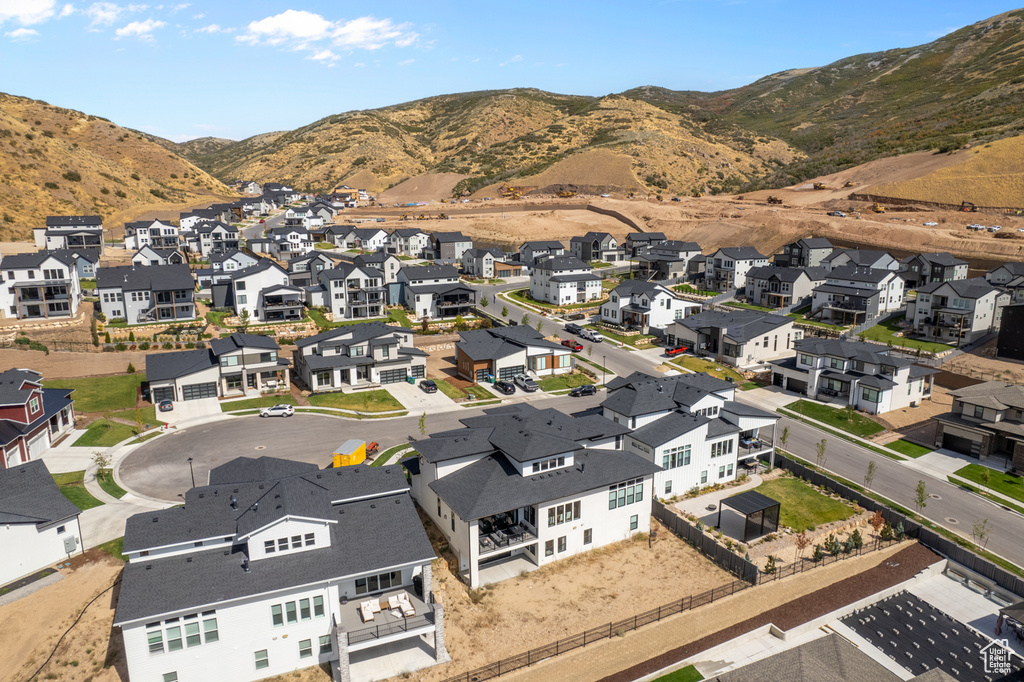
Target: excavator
[(968, 207), (820, 185), (848, 183), (660, 198), (510, 192), (405, 216), (566, 194), (697, 193), (878, 208), (772, 199)]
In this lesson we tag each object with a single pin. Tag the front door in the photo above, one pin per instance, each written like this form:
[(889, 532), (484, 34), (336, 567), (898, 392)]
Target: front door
[(250, 380)]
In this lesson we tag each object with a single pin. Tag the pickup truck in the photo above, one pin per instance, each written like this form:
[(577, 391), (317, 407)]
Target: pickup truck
[(676, 350), (572, 344), (591, 335)]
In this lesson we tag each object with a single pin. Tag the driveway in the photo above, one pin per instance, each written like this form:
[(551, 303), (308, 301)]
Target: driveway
[(185, 410), (417, 401)]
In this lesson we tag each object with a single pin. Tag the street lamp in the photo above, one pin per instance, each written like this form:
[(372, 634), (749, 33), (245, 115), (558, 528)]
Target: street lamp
[(604, 363), (190, 471)]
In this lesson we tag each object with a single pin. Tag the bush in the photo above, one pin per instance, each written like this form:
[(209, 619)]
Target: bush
[(101, 317), (72, 176), (158, 194), (121, 347), (769, 567), (190, 345), (144, 345), (106, 337), (104, 190), (131, 336), (22, 341), (858, 541), (51, 185), (818, 554), (886, 533), (131, 368), (119, 194), (167, 345), (135, 176), (900, 531)]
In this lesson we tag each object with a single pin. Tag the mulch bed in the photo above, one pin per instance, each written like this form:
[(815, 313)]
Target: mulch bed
[(903, 565)]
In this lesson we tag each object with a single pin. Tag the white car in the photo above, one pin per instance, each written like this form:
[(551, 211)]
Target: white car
[(526, 383), (930, 223), (277, 411), (591, 335), (994, 228), (605, 196), (975, 227)]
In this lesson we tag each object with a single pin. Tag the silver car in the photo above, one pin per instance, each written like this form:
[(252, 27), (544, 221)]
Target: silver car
[(526, 383)]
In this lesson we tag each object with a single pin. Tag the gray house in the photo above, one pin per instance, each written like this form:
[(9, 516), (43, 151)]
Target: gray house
[(804, 253), (597, 246), (138, 295), (928, 268), (779, 287), (449, 246), (531, 252), (667, 260), (354, 356)]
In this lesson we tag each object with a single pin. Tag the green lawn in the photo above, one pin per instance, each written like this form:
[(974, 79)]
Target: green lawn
[(104, 434), (482, 404), (256, 403), (72, 487), (687, 674), (748, 306), (801, 505), (520, 296), (102, 394), (114, 548), (844, 420), (606, 284), (886, 333), (564, 381), (363, 401), (149, 417), (216, 317), (621, 338), (394, 315), (88, 284), (687, 289), (905, 447), (325, 246), (383, 457), (1001, 482), (109, 485), (799, 313), (455, 393), (599, 264), (715, 369), (398, 315)]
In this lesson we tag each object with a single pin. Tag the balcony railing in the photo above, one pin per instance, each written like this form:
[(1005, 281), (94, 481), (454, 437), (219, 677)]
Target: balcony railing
[(506, 537), (388, 629)]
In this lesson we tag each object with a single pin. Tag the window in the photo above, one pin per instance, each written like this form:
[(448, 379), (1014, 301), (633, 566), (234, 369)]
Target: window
[(210, 632), (979, 411), (625, 493), (318, 606), (192, 637), (721, 472), (376, 583), (268, 547), (305, 648), (563, 513), (61, 529), (292, 612), (229, 361), (546, 464), (561, 544), (871, 395), (241, 299), (325, 644), (836, 363), (310, 539), (156, 641), (296, 541), (721, 448), (33, 405), (704, 477), (806, 359), (239, 285), (171, 677), (261, 659), (668, 487), (588, 536), (634, 522), (674, 458), (728, 470), (549, 548), (174, 638)]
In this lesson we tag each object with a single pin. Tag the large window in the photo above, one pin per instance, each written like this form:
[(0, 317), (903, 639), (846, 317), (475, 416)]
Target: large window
[(305, 648), (185, 632), (546, 464), (294, 611), (325, 644), (561, 544), (721, 448), (549, 548), (625, 493), (261, 659), (376, 583), (871, 395), (563, 513), (674, 458)]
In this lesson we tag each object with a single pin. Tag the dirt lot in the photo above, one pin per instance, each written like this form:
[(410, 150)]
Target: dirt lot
[(72, 365), (982, 363)]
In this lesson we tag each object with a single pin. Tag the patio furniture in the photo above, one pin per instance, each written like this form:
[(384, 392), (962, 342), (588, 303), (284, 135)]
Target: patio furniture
[(405, 604), (366, 610)]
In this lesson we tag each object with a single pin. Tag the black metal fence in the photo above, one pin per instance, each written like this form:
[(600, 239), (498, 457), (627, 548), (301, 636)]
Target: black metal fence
[(401, 625), (606, 631), (726, 558)]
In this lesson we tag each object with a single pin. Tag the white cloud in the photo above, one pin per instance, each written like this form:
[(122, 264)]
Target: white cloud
[(182, 6), (517, 58), (22, 34), (103, 13), (368, 33), (302, 30), (213, 28), (66, 11), (324, 56), (406, 62), (27, 12), (297, 26), (201, 15), (143, 30)]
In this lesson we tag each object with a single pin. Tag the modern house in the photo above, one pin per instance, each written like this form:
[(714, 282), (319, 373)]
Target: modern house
[(742, 338), (564, 280), (597, 247), (154, 233), (262, 290), (409, 241), (434, 291), (987, 419), (149, 255), (504, 352), (70, 232), (303, 217), (350, 292), (40, 525), (849, 373), (231, 365), (864, 259), (358, 355), (1004, 274), (85, 260), (640, 242), (284, 243), (667, 260), (211, 237), (519, 488), (532, 252), (727, 268), (255, 577), (222, 265), (636, 304), (804, 253), (138, 295), (774, 286), (387, 263), (448, 247), (40, 285), (305, 270), (489, 263), (190, 219), (852, 295), (957, 312), (928, 268), (32, 418)]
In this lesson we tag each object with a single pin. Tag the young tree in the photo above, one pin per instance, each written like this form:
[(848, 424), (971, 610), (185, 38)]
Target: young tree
[(980, 532), (920, 496), (423, 424), (102, 461), (484, 302), (540, 326), (877, 521), (131, 368), (526, 320), (243, 320), (803, 541), (504, 311), (590, 350), (857, 540), (139, 424), (820, 448), (870, 475), (986, 474)]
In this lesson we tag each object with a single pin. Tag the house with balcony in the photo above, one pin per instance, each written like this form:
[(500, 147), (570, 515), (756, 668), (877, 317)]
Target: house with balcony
[(636, 304), (248, 187), (852, 295), (986, 420), (727, 268), (530, 253), (284, 243), (804, 253), (409, 241), (230, 366), (188, 220), (597, 247), (139, 295), (863, 259), (852, 374), (40, 286), (208, 238), (519, 488), (155, 233), (263, 291), (434, 291), (641, 242), (774, 286), (350, 292), (149, 255), (275, 566), (70, 232), (564, 280), (40, 525), (489, 263), (222, 265), (305, 270), (667, 260), (303, 218), (504, 352), (957, 312), (387, 263), (927, 268), (741, 338), (358, 355), (32, 418), (85, 260), (448, 247), (255, 206)]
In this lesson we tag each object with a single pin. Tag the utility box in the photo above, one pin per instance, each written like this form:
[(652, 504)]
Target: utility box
[(350, 452)]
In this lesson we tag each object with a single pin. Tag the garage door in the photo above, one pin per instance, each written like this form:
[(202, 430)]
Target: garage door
[(419, 371), (392, 376), (197, 391), (796, 385), (506, 373), (37, 446), (778, 379), (163, 393), (481, 375), (959, 444)]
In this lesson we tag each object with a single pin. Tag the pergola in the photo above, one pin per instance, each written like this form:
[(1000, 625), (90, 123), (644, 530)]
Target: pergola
[(760, 512)]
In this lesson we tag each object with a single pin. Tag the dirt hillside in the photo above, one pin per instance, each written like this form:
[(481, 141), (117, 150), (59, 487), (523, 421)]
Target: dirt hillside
[(427, 187)]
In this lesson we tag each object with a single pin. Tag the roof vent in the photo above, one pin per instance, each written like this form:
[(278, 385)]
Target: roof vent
[(202, 495), (373, 506), (149, 566), (155, 519), (245, 566), (188, 560), (235, 490), (234, 502), (319, 475), (398, 502), (583, 466), (255, 506)]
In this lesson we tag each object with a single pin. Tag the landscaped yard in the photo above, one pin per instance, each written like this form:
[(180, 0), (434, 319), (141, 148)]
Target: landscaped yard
[(799, 313), (612, 334), (149, 418), (905, 447), (844, 420), (687, 289), (102, 394), (715, 369), (72, 487), (687, 674), (564, 381), (394, 315), (325, 246), (363, 401), (999, 481), (886, 333), (104, 434), (256, 403), (109, 485), (520, 295), (383, 457), (114, 548), (748, 306), (216, 317), (801, 505), (457, 393)]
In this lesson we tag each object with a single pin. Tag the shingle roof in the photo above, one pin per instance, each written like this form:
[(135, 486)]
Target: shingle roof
[(164, 366), (349, 334), (669, 427), (1000, 394), (827, 659), (859, 257), (73, 220), (430, 272), (237, 341), (28, 494), (938, 258), (18, 261), (559, 263), (153, 277), (641, 393), (261, 265), (543, 244), (856, 273), (11, 382), (740, 325), (782, 274), (446, 237), (248, 469), (815, 243), (853, 350), (973, 288), (578, 277), (741, 253)]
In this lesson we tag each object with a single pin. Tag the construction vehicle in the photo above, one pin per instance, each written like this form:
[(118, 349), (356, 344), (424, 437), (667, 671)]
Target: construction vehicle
[(697, 193), (878, 208), (820, 185), (442, 216), (660, 198), (509, 192), (405, 216), (848, 183), (423, 216), (772, 199), (968, 207), (566, 194), (352, 452)]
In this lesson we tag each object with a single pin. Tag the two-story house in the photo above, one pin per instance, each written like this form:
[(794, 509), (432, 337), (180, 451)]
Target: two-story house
[(85, 260), (448, 247), (641, 242), (1004, 274), (504, 352), (40, 285), (284, 243), (138, 295), (262, 290), (350, 292), (32, 418), (597, 247), (275, 566), (532, 252), (667, 260), (727, 268), (149, 255), (860, 258), (519, 488), (849, 373), (564, 280), (304, 270), (231, 365), (211, 237), (155, 233), (636, 304), (783, 287), (358, 355), (489, 263), (303, 217), (927, 268), (987, 419), (388, 263), (409, 241), (221, 267), (852, 295), (957, 312), (742, 338), (70, 232), (808, 252), (189, 219), (434, 291)]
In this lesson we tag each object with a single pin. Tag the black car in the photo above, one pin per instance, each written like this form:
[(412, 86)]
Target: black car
[(581, 391), (506, 387), (428, 386), (573, 328)]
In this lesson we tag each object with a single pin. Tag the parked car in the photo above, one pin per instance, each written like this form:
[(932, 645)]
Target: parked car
[(837, 214), (572, 344), (581, 391), (676, 350), (428, 386), (277, 411), (506, 387), (994, 228), (605, 196), (526, 383), (573, 328), (676, 199), (591, 335), (165, 406), (975, 227), (930, 223)]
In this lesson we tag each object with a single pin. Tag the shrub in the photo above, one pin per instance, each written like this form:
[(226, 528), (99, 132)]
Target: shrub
[(135, 176), (167, 345), (104, 190), (886, 533), (106, 337), (818, 554), (144, 345), (858, 541), (22, 341), (131, 336), (190, 345), (101, 317), (158, 194), (121, 347), (900, 531), (131, 368), (72, 176), (51, 185), (118, 193), (769, 567)]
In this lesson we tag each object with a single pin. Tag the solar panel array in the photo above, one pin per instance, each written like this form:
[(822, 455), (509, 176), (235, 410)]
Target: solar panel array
[(920, 637)]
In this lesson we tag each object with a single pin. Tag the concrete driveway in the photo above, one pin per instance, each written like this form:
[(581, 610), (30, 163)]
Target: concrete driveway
[(416, 400), (185, 410)]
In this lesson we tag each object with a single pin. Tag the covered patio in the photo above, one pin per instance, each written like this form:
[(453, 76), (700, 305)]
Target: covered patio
[(760, 514), (372, 620)]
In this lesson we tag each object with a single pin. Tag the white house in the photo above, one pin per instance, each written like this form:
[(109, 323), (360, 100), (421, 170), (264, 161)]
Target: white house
[(303, 217), (40, 285), (531, 252), (727, 268), (564, 280), (957, 312), (860, 258), (504, 352), (155, 293), (434, 291), (358, 355), (851, 295), (276, 566), (636, 304), (70, 232), (743, 338), (926, 268), (211, 237), (154, 233), (32, 418), (149, 255), (350, 292), (409, 241), (40, 526), (263, 290)]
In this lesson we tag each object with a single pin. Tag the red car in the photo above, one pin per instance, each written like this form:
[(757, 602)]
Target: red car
[(677, 350), (572, 344)]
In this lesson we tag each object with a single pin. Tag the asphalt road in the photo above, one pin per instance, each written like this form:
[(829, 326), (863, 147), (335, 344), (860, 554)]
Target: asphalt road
[(256, 231)]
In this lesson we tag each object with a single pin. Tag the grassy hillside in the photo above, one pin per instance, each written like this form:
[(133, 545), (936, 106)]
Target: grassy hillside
[(58, 161)]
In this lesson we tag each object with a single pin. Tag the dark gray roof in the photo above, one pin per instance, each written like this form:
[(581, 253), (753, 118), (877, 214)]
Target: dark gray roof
[(86, 254), (349, 334), (430, 272), (939, 258), (442, 288), (635, 287), (740, 325), (148, 278), (248, 469), (480, 253), (237, 341), (641, 393), (860, 274), (859, 257), (997, 394), (745, 410), (846, 291), (480, 345), (559, 263), (261, 265), (645, 237), (973, 288), (782, 274), (749, 502), (669, 427), (28, 494), (11, 383), (815, 243), (407, 232), (674, 245), (34, 259), (73, 220), (1016, 269), (741, 253), (492, 484), (854, 350), (164, 366), (548, 421), (827, 659), (578, 277), (543, 244), (446, 237)]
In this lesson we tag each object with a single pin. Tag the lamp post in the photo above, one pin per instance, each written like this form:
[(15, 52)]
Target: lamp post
[(603, 365), (190, 471)]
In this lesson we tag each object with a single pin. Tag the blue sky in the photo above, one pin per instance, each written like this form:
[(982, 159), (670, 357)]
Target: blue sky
[(235, 69)]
